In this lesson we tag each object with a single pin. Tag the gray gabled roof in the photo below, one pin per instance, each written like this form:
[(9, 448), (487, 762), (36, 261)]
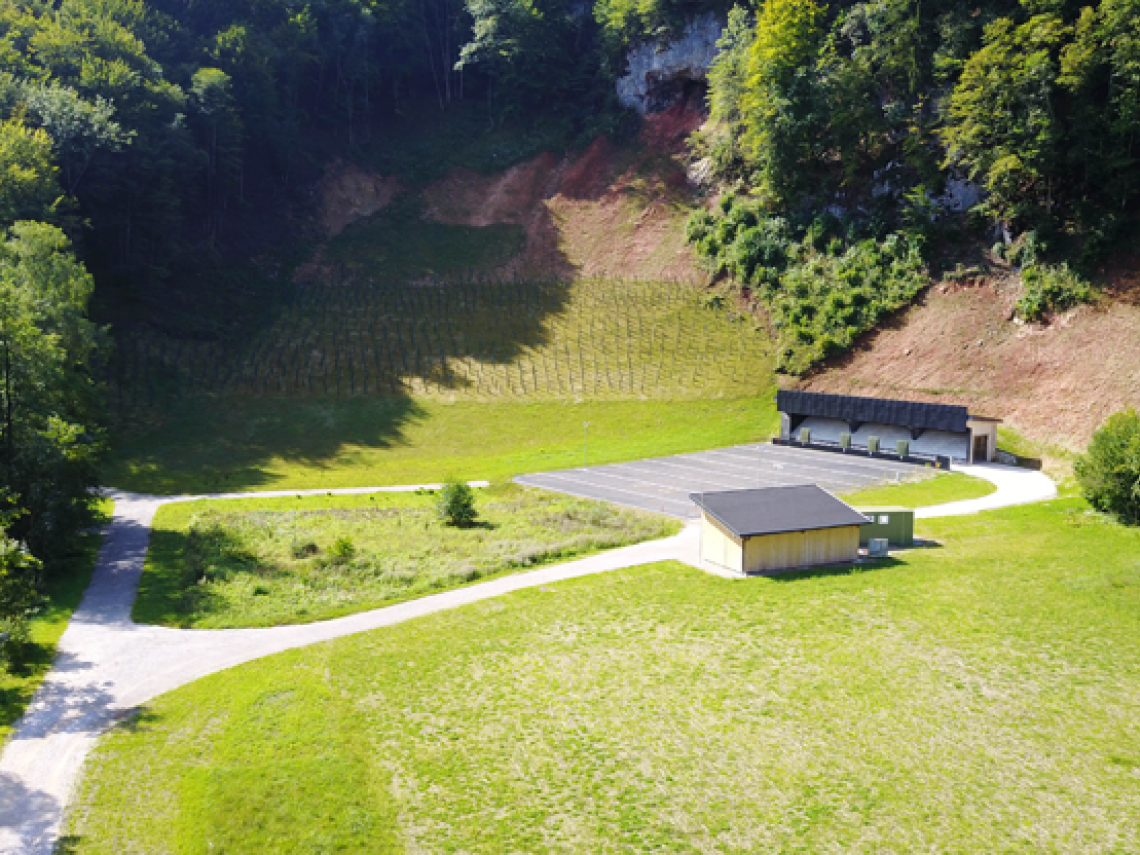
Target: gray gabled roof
[(774, 510)]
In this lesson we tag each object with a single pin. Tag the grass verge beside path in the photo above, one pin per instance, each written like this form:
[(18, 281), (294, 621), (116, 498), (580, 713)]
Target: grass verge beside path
[(976, 697), (942, 488), (69, 580), (261, 562), (262, 443)]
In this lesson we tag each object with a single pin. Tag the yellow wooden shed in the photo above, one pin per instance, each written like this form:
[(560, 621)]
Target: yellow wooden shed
[(777, 528)]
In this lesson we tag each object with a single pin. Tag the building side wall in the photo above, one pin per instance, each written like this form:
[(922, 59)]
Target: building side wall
[(898, 530), (773, 552), (720, 547)]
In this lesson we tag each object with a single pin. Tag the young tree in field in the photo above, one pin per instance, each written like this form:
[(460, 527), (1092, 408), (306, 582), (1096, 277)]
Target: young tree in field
[(47, 446), (456, 503)]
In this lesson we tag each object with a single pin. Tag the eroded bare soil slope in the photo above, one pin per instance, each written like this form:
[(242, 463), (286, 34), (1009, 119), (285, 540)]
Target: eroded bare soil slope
[(960, 344), (610, 211)]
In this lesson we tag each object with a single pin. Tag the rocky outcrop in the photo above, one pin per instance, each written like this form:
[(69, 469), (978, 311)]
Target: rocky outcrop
[(657, 73)]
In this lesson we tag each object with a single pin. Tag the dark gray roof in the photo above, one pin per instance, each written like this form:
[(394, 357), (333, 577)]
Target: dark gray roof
[(849, 408), (773, 510)]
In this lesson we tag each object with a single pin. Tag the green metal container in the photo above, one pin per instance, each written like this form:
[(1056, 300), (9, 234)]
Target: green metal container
[(895, 524)]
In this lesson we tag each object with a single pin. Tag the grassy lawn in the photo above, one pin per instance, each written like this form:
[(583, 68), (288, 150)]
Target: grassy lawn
[(976, 697), (942, 488), (68, 582), (233, 444), (261, 562), (1057, 462)]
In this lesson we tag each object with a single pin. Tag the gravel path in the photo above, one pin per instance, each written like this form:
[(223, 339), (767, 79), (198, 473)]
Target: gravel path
[(107, 665), (1014, 487)]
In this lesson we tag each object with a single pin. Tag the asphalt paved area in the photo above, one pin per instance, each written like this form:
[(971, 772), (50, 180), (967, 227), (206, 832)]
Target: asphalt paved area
[(663, 484)]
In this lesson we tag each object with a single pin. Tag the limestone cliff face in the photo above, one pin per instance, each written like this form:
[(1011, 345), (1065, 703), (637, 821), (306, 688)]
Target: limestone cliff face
[(657, 73)]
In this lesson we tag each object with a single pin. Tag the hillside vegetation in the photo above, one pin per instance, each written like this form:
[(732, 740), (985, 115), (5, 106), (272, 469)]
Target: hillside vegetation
[(853, 129)]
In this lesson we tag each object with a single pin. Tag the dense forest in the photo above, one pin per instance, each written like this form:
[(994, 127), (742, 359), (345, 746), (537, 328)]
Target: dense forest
[(853, 145), (865, 140)]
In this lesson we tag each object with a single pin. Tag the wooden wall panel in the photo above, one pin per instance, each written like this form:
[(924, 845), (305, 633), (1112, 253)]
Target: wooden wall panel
[(773, 552)]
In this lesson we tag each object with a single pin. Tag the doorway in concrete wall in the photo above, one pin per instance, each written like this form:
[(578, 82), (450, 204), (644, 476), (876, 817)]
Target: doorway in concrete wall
[(981, 449)]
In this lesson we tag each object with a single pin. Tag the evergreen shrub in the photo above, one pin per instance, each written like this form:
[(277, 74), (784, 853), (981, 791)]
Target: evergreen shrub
[(1109, 472), (456, 504)]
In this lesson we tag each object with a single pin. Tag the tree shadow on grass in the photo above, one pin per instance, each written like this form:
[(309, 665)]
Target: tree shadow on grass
[(343, 370), (178, 588), (835, 570), (485, 525)]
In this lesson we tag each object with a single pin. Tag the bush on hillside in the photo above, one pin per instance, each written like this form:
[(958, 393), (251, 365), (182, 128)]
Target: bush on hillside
[(1109, 472), (1051, 288), (456, 504), (821, 285)]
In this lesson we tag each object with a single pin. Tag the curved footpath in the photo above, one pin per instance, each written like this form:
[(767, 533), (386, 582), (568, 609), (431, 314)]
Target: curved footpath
[(107, 665)]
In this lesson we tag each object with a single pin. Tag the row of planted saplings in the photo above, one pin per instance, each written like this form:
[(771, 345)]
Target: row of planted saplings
[(902, 446)]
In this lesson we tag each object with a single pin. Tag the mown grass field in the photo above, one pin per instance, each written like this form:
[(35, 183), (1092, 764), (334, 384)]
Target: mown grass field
[(975, 697), (246, 444), (261, 562), (942, 488)]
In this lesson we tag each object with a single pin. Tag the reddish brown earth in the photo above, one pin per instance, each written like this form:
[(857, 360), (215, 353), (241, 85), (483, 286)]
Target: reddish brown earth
[(612, 211), (1054, 383), (348, 193)]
